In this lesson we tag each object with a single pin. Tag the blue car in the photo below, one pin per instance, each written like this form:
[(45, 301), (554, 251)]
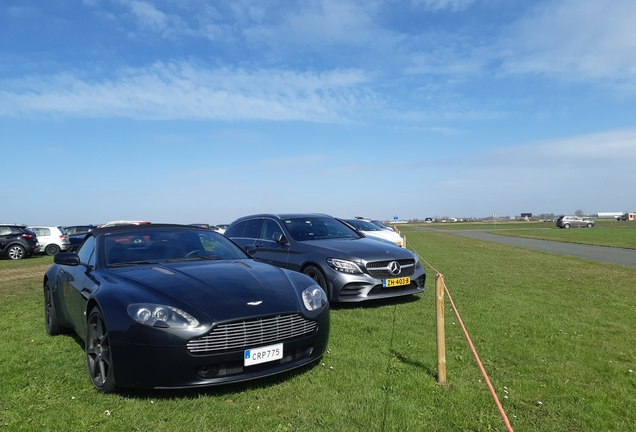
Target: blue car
[(176, 306)]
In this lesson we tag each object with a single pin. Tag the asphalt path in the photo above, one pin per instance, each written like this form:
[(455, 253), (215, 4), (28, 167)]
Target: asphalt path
[(624, 257)]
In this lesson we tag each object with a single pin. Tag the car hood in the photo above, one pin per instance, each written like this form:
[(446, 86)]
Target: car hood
[(365, 249), (223, 290), (384, 234)]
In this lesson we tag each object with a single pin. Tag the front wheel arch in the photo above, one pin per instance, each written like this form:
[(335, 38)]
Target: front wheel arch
[(51, 320), (16, 252), (315, 272), (99, 356), (52, 249)]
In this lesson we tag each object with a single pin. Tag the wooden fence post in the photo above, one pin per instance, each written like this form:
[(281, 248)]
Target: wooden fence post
[(441, 342)]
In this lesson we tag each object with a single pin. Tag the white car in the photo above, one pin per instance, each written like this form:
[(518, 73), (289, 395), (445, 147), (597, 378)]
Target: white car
[(372, 231), (51, 239)]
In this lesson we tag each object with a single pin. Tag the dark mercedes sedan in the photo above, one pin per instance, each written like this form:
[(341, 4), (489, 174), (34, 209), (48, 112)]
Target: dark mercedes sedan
[(173, 306), (348, 266)]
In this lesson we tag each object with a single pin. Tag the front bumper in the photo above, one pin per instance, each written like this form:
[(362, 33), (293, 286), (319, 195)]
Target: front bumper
[(173, 366), (361, 287)]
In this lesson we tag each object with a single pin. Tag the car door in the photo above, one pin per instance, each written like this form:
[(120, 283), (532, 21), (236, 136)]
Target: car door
[(267, 249), (77, 285), (5, 236)]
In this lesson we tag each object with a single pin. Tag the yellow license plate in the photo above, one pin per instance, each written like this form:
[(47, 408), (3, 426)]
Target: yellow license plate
[(388, 283)]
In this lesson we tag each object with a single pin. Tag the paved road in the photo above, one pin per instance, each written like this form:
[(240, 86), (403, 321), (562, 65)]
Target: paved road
[(625, 257)]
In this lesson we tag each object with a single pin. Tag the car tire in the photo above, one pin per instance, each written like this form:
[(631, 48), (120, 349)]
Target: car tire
[(316, 274), (590, 225), (99, 357), (16, 252), (50, 316), (566, 226), (52, 249)]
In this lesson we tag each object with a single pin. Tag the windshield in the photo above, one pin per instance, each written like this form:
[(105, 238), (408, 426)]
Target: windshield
[(379, 224), (363, 225), (316, 228), (154, 246)]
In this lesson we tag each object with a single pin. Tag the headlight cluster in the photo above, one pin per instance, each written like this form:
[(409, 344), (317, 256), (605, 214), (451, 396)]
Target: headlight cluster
[(417, 259), (156, 315), (343, 266), (314, 298)]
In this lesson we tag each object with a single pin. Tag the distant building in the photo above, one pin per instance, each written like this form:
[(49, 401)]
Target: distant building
[(610, 215)]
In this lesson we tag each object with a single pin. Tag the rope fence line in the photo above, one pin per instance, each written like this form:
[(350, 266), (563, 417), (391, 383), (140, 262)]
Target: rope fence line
[(500, 408)]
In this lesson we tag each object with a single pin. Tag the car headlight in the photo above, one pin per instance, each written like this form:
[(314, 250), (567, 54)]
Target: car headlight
[(344, 266), (417, 259), (314, 298), (155, 315)]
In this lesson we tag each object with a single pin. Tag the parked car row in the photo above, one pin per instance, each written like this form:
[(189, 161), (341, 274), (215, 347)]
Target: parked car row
[(216, 308), (348, 266)]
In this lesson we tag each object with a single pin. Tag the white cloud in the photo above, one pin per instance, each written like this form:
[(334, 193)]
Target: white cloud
[(577, 39), (147, 15), (558, 175), (185, 91)]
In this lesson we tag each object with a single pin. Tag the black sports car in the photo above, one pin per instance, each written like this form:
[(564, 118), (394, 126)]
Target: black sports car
[(173, 306)]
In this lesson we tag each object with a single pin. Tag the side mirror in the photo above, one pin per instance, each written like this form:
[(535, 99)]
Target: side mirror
[(66, 258), (250, 249), (279, 238)]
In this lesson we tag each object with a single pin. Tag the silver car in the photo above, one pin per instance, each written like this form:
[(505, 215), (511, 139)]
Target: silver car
[(574, 221), (51, 239), (348, 266)]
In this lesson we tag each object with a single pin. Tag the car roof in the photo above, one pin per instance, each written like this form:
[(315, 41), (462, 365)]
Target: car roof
[(137, 228), (288, 215)]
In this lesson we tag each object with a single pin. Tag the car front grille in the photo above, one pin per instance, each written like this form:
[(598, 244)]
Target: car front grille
[(250, 334), (380, 269), (219, 370)]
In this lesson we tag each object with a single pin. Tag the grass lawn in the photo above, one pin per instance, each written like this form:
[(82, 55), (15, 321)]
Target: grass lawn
[(606, 233), (556, 335)]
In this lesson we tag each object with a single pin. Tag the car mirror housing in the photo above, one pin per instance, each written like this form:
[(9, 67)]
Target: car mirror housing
[(67, 258), (280, 238), (250, 249)]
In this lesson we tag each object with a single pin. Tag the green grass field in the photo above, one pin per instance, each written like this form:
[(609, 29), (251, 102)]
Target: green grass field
[(556, 335), (605, 233)]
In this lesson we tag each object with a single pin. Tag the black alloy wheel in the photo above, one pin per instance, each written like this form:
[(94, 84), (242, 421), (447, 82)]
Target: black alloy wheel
[(99, 357), (50, 316), (16, 252), (52, 249)]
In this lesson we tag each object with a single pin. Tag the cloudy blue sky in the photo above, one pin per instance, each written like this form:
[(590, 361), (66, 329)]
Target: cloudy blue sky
[(205, 111)]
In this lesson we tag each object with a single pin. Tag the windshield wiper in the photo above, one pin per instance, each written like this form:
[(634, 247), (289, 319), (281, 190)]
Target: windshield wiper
[(132, 263), (194, 258)]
